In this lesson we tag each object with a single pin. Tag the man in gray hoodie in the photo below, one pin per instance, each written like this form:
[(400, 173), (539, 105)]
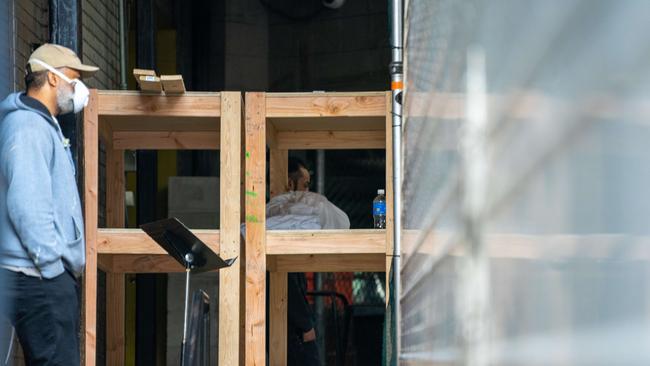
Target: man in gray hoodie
[(42, 251)]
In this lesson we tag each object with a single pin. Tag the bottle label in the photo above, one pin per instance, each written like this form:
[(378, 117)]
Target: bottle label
[(379, 208)]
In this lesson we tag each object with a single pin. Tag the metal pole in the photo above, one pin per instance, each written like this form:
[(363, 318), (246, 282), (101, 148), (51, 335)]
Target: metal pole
[(189, 260), (185, 312), (396, 72), (123, 84), (187, 302)]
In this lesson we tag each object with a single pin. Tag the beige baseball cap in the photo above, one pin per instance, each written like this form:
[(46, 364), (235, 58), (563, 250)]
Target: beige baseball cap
[(59, 56)]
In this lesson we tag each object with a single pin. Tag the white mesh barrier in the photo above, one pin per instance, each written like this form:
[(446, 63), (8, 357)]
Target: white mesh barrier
[(526, 211)]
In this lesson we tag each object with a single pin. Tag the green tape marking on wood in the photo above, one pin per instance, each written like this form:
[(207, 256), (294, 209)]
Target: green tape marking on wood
[(251, 218), (251, 193), (248, 155)]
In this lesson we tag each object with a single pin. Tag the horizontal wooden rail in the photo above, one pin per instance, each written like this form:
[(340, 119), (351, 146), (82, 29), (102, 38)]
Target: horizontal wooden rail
[(325, 105), (373, 262), (363, 241), (135, 241), (306, 140), (131, 103), (166, 140)]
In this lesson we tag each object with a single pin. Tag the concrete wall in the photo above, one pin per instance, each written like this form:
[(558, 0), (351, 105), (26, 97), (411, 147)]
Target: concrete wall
[(246, 46), (314, 48)]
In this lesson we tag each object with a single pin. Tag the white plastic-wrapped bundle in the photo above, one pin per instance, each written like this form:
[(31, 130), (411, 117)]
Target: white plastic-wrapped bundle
[(304, 210), (300, 210)]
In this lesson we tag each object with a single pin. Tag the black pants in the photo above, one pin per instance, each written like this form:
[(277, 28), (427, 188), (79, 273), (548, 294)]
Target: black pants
[(301, 353), (45, 314)]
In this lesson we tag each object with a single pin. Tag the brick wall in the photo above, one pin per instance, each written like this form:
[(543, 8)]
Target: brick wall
[(100, 41), (6, 48), (32, 28)]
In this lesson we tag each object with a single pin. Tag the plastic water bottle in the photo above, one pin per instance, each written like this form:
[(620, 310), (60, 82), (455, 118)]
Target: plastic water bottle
[(379, 210)]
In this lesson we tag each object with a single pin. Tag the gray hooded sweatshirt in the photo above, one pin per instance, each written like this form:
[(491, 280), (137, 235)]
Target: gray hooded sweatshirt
[(41, 224)]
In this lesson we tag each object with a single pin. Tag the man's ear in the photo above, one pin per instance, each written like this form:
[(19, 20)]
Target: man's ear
[(290, 186), (52, 79)]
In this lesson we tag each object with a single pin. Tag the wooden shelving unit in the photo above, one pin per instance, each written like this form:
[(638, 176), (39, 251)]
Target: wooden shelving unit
[(131, 120), (282, 122)]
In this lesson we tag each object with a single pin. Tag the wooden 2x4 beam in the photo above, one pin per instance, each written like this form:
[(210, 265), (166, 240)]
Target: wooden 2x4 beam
[(296, 105), (308, 242), (374, 262), (130, 103), (141, 263), (309, 140), (135, 241), (166, 140)]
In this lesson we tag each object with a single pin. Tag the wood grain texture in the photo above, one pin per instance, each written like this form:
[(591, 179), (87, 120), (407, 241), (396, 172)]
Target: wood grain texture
[(229, 278), (91, 172), (115, 187), (339, 123), (271, 135), (310, 140), (105, 132), (129, 103), (115, 312), (135, 241), (143, 263), (375, 262), (172, 84), (278, 171), (278, 319), (166, 140), (357, 241), (255, 332), (115, 285), (297, 105), (150, 84)]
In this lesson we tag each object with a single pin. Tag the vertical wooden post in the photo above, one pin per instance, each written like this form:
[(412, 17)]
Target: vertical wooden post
[(229, 227), (91, 172), (242, 246), (278, 172), (389, 191), (278, 162), (115, 282), (278, 319), (115, 313), (255, 334)]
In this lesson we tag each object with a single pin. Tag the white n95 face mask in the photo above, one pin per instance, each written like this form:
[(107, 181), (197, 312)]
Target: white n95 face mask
[(81, 92)]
